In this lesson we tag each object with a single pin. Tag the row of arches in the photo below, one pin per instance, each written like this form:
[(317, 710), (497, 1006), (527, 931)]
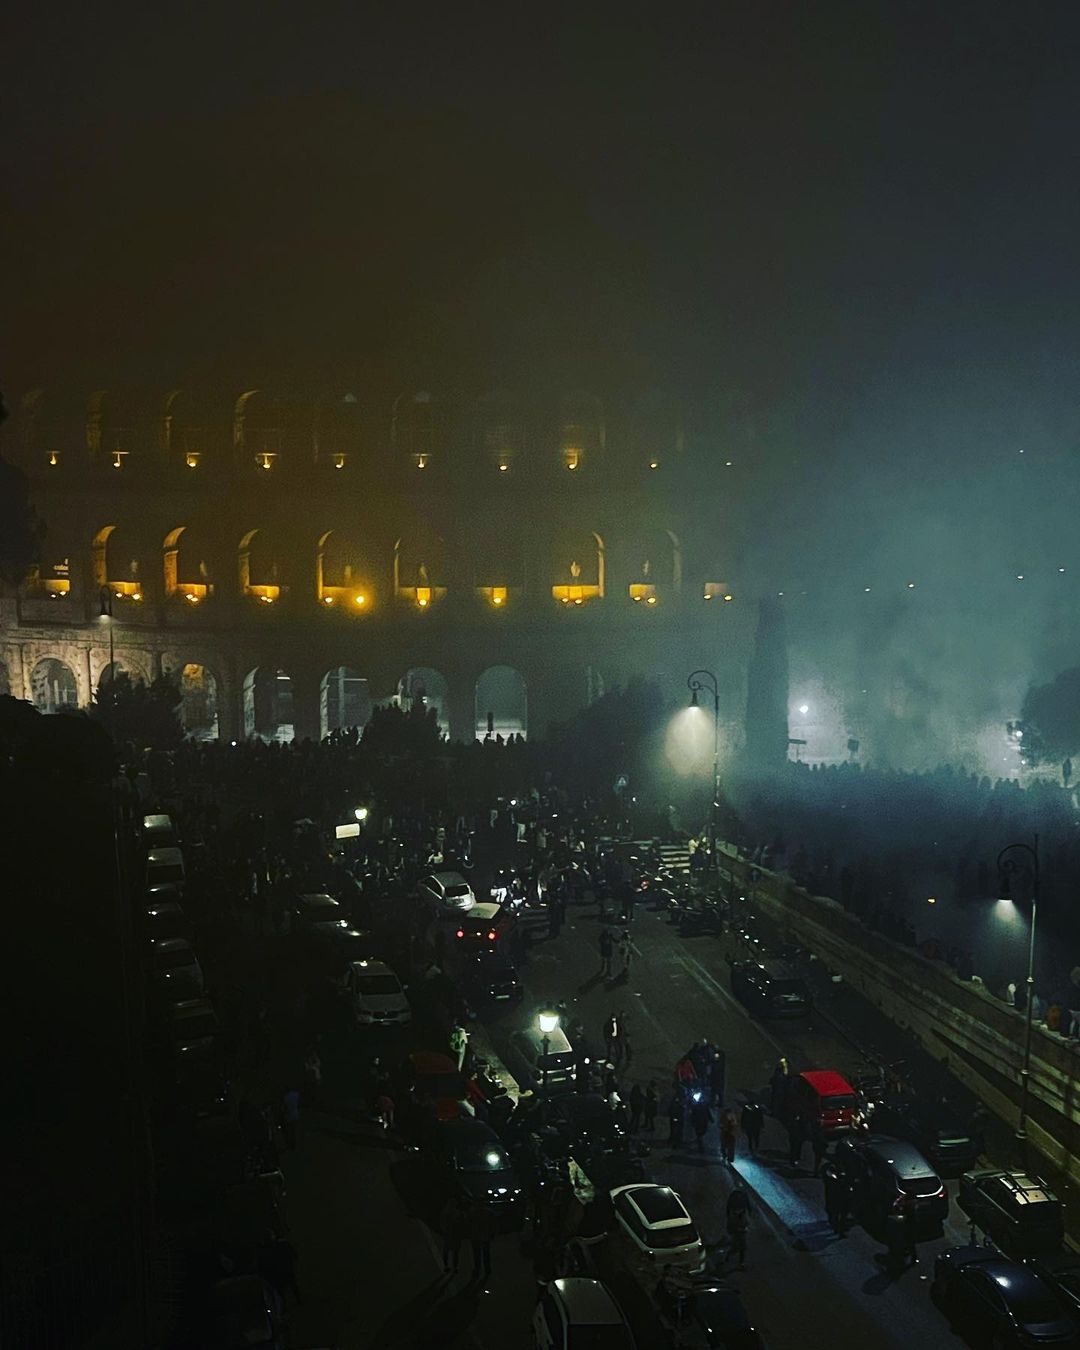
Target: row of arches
[(344, 568), (268, 710)]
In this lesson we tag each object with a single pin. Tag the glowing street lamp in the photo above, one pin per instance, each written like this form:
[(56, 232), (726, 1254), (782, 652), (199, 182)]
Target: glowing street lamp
[(548, 1021), (361, 813), (695, 682), (1006, 867)]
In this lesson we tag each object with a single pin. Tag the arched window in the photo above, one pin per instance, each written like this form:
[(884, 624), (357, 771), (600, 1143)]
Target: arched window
[(579, 569), (186, 572), (655, 568), (344, 573), (502, 703), (268, 705), (344, 700), (258, 569), (427, 688), (199, 702), (53, 686), (115, 564), (420, 567)]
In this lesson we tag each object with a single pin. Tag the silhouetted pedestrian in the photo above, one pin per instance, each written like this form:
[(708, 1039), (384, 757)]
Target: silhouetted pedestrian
[(453, 1221), (637, 1106), (482, 1230), (676, 1119), (753, 1119), (796, 1139), (718, 1077), (819, 1144), (701, 1119), (728, 1132), (779, 1083), (277, 1263), (607, 951), (649, 1108)]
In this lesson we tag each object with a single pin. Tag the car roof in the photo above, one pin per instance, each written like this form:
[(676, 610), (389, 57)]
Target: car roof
[(485, 909), (586, 1300), (168, 907), (191, 1007), (165, 855), (157, 822), (659, 1206), (987, 1258), (173, 945), (449, 878), (828, 1083), (466, 1129), (370, 968), (318, 898), (903, 1157)]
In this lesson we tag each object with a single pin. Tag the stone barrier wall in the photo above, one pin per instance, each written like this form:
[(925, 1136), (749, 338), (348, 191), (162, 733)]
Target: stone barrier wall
[(979, 1038)]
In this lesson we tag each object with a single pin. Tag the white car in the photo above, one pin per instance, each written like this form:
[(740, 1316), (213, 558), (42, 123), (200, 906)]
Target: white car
[(377, 996), (656, 1224), (446, 891), (580, 1312), (160, 832), (177, 969)]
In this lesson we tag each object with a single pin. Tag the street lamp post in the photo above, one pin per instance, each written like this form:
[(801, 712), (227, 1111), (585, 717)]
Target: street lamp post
[(695, 682), (106, 600), (549, 1023), (1005, 868)]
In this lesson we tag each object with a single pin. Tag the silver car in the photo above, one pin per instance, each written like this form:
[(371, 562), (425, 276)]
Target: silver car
[(446, 891)]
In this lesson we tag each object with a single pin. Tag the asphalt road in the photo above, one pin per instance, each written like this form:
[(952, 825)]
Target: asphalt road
[(371, 1268)]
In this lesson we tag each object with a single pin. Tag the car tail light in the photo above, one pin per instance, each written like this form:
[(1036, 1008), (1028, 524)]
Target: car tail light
[(461, 932), (491, 936)]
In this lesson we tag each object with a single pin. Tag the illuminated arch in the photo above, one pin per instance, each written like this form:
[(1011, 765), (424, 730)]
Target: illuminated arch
[(429, 688), (53, 686), (258, 576), (344, 700), (580, 569), (118, 570), (656, 568), (184, 579), (501, 703), (344, 576), (419, 567), (268, 705)]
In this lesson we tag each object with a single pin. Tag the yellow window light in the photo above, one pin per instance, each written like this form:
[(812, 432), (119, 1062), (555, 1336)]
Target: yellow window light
[(654, 463), (360, 600), (54, 459), (423, 596), (328, 599), (118, 458), (421, 461), (191, 459), (339, 461), (266, 459), (573, 458)]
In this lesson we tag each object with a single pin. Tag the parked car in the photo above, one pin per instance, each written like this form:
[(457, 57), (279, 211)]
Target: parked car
[(158, 831), (166, 919), (446, 891), (823, 1097), (1016, 1210), (882, 1171), (376, 995), (177, 969), (319, 916), (588, 1123), (934, 1129), (468, 1156), (1000, 1303), (486, 926), (770, 989), (578, 1312), (1060, 1270), (245, 1315), (193, 1026), (656, 1225), (165, 867), (537, 1067), (717, 1311), (488, 977)]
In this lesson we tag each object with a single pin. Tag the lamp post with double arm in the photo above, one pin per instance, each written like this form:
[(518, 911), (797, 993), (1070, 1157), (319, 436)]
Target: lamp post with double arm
[(1006, 867), (695, 682)]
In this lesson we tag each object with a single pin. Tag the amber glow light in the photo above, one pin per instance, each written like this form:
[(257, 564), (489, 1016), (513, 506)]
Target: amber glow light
[(360, 600)]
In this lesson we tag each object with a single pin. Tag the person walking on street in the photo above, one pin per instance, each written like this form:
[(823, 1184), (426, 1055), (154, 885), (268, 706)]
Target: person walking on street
[(277, 1263), (728, 1132), (753, 1118), (612, 1032), (819, 1144), (626, 953), (779, 1083), (718, 1077), (830, 1180), (452, 1221), (649, 1108), (482, 1230), (459, 1043), (676, 1118), (701, 1119), (637, 1106), (607, 951), (738, 1224)]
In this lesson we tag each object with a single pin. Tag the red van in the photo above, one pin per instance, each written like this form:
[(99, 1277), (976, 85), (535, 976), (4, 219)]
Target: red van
[(824, 1097)]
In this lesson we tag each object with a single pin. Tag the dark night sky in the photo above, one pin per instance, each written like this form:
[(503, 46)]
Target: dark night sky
[(771, 196)]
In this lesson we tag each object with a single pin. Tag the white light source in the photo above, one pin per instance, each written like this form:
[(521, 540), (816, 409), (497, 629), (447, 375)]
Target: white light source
[(549, 1022), (804, 708), (360, 813)]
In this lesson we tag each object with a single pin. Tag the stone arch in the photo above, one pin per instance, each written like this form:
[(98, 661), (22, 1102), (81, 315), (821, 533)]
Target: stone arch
[(259, 429), (258, 569), (412, 428), (125, 662), (53, 686), (199, 701), (502, 703), (268, 705), (654, 564), (580, 567), (420, 566), (5, 677), (429, 688), (185, 569), (498, 557), (344, 573), (499, 430), (344, 700), (115, 563), (337, 432)]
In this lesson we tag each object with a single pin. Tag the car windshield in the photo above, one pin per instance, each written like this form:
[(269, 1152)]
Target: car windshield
[(842, 1101), (482, 1157), (182, 956), (456, 891), (378, 984), (679, 1236), (169, 872), (594, 1337), (1034, 1303), (196, 1028)]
